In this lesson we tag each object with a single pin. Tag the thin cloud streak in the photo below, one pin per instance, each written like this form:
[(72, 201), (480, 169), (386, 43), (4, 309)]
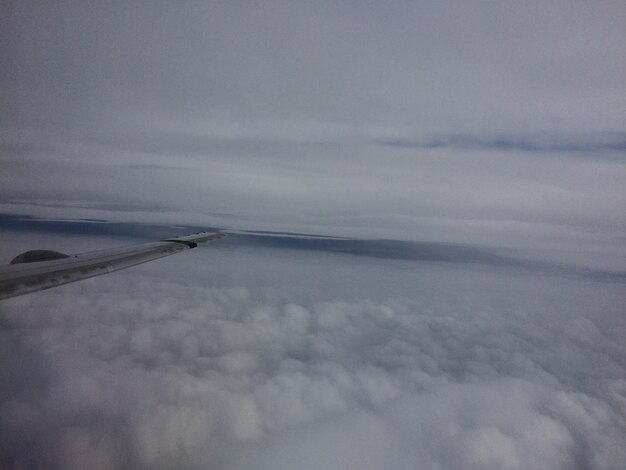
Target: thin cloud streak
[(615, 145)]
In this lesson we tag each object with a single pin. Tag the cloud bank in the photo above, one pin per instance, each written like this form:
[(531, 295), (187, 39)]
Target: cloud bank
[(325, 361)]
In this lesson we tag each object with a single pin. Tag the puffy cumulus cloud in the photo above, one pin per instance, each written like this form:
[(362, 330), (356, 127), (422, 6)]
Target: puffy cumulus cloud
[(455, 368), (498, 424)]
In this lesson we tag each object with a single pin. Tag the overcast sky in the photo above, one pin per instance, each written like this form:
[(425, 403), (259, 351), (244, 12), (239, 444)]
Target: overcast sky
[(492, 122), (499, 126)]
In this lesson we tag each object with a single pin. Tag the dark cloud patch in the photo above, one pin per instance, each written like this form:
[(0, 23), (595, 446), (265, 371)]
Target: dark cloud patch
[(422, 251), (611, 147)]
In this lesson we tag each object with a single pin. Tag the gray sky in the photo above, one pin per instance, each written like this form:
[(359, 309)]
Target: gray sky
[(499, 124), (494, 122)]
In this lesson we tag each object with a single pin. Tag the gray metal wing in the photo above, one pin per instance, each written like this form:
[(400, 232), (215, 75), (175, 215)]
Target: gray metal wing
[(41, 269)]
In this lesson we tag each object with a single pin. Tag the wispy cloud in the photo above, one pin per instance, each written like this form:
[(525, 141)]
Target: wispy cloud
[(614, 144)]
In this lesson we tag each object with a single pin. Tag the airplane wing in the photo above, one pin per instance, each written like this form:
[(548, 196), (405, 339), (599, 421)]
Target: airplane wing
[(42, 269)]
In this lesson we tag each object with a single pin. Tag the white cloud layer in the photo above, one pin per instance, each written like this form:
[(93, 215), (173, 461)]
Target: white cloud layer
[(276, 359)]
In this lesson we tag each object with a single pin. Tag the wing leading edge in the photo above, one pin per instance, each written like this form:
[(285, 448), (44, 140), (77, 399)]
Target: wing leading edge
[(26, 274)]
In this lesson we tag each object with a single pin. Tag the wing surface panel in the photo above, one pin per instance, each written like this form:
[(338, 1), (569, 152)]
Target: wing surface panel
[(22, 278)]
